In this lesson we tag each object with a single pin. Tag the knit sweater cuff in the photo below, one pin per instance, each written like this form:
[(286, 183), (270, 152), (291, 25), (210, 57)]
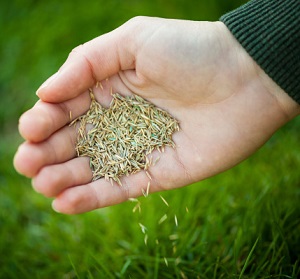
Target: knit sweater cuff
[(269, 30)]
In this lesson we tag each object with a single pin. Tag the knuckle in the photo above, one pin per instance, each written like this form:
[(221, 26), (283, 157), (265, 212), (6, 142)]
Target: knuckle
[(80, 49), (83, 52), (73, 203), (46, 182), (137, 20)]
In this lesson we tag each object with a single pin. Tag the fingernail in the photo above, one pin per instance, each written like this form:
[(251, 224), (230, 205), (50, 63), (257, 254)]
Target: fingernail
[(47, 82), (54, 207)]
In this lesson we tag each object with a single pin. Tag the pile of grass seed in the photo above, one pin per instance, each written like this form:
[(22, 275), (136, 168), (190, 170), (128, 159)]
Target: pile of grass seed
[(123, 135)]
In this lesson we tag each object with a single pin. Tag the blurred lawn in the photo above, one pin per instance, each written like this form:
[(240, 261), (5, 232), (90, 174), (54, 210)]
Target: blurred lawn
[(256, 201)]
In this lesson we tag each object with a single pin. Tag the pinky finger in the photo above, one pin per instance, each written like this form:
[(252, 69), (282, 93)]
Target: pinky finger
[(99, 194)]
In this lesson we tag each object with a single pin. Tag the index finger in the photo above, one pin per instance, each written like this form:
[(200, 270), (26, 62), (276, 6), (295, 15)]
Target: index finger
[(38, 123), (93, 61)]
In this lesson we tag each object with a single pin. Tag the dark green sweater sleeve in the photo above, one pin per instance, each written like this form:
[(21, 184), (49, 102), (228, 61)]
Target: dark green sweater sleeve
[(269, 30)]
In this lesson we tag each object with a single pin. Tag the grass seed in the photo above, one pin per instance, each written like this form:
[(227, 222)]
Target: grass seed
[(166, 261), (176, 221), (165, 202), (162, 219), (123, 135)]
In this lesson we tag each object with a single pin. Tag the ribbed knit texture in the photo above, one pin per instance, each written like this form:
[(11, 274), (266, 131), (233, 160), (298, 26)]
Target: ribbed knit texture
[(269, 30)]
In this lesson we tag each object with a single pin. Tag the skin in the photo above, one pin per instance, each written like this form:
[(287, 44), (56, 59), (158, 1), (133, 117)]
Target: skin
[(226, 105)]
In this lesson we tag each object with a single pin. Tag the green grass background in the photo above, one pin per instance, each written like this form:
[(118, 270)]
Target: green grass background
[(244, 223)]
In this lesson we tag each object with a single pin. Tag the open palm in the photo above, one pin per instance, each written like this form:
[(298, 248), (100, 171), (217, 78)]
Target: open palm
[(225, 105)]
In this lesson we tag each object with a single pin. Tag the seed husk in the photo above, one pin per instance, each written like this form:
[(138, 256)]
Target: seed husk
[(176, 221), (143, 228), (173, 236), (166, 261), (146, 239), (162, 219), (165, 202), (122, 136)]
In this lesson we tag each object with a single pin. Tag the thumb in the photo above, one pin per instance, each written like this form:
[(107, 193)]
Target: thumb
[(88, 63)]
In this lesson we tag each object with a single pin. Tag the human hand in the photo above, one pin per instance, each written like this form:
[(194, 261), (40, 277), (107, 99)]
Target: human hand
[(226, 106)]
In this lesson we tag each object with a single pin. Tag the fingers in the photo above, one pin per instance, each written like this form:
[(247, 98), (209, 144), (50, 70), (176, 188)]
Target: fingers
[(71, 183), (99, 194), (60, 147), (51, 180), (91, 62), (38, 123)]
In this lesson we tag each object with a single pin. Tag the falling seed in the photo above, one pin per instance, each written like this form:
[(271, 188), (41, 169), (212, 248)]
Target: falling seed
[(144, 193), (162, 219), (177, 261), (146, 239), (133, 200), (143, 228), (149, 176), (174, 249), (148, 189), (173, 236), (137, 207), (182, 275), (165, 202), (156, 241), (176, 221), (166, 261), (186, 209)]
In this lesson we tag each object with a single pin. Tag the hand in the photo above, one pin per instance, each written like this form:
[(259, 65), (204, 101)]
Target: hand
[(227, 108)]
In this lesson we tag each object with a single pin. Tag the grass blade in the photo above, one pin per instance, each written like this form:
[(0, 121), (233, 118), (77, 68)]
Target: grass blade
[(248, 258)]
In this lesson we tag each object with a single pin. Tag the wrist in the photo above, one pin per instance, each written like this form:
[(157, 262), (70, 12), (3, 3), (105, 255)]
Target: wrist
[(251, 72), (289, 106), (269, 32)]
